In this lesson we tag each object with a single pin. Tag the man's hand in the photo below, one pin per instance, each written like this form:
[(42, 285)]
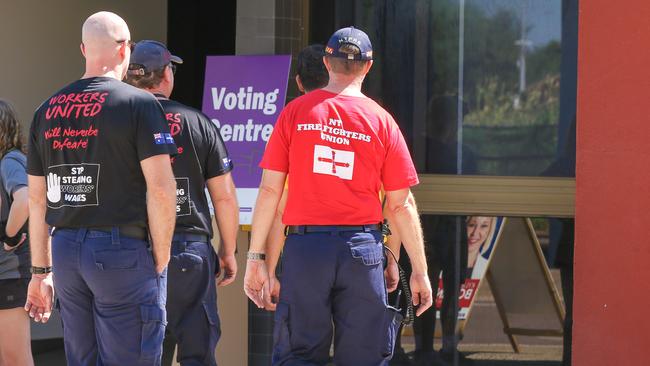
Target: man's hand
[(421, 291), (161, 259), (228, 265), (160, 268), (256, 281), (392, 275), (39, 297), (274, 293)]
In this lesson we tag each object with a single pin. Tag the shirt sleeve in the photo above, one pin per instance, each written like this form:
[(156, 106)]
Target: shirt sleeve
[(34, 162), (276, 155), (13, 174), (152, 131), (218, 162), (398, 171)]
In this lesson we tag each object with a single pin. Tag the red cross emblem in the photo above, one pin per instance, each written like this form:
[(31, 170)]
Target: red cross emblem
[(334, 162)]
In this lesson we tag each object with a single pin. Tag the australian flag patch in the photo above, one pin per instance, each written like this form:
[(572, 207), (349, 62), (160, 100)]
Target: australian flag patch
[(158, 138), (226, 162), (163, 138)]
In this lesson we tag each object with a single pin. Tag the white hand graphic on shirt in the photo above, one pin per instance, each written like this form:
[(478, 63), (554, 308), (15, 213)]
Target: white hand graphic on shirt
[(53, 188)]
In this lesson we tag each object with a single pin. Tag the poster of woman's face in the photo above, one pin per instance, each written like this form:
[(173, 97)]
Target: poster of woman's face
[(480, 230), (482, 234)]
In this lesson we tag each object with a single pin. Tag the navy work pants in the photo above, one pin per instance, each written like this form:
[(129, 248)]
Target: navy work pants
[(333, 287), (192, 301), (111, 299)]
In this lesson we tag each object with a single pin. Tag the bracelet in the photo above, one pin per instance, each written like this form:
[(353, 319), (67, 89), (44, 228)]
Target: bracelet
[(40, 270), (255, 256)]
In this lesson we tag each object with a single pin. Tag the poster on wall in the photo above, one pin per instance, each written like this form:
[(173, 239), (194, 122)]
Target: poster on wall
[(482, 235), (243, 96)]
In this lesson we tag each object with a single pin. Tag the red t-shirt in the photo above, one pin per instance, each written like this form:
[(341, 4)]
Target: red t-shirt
[(338, 151)]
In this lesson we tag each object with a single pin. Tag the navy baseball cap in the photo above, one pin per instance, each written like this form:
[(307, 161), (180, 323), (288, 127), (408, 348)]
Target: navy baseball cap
[(148, 56), (350, 36)]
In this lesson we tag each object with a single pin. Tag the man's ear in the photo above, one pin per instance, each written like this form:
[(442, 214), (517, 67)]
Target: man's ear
[(82, 47), (368, 66), (299, 84), (168, 75), (122, 51), (327, 64)]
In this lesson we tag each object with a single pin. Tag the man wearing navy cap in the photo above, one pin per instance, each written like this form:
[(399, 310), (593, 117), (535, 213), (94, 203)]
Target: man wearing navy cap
[(202, 161), (340, 149)]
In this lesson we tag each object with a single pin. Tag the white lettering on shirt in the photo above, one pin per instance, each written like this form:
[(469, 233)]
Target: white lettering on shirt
[(334, 132)]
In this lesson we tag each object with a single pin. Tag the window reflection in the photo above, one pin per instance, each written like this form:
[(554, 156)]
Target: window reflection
[(511, 84)]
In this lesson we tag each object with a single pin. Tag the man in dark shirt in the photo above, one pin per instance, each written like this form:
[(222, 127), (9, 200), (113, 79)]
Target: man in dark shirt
[(202, 161), (99, 173)]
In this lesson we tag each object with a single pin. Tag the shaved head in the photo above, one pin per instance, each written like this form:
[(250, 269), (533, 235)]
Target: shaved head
[(104, 36), (101, 31)]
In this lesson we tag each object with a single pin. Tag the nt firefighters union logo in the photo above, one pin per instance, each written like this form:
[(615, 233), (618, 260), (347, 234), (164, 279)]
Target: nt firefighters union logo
[(333, 162)]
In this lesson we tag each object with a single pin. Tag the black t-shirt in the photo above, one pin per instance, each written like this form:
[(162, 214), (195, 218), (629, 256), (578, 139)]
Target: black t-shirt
[(88, 140), (201, 155)]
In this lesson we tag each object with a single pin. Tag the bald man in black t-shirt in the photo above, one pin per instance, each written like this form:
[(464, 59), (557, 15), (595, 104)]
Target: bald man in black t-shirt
[(99, 172)]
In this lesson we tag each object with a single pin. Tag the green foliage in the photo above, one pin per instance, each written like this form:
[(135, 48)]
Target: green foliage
[(495, 105), (544, 61), (504, 131)]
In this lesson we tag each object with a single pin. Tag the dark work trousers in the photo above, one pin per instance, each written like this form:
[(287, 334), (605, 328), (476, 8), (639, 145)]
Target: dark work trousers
[(444, 235), (192, 301), (333, 286), (111, 299), (441, 243)]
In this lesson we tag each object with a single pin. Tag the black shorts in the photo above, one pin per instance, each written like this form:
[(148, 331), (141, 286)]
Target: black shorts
[(13, 293)]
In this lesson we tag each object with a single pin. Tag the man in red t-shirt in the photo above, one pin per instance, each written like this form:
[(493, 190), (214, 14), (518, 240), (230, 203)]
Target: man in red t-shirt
[(339, 148)]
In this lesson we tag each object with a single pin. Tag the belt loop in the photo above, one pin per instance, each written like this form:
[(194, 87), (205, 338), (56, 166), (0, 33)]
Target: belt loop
[(335, 231), (81, 234), (115, 235), (301, 229), (366, 228)]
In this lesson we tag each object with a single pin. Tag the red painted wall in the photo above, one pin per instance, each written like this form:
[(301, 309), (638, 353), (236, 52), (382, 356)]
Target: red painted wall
[(612, 265)]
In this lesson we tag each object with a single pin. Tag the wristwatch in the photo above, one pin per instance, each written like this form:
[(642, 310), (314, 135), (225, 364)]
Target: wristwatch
[(40, 270)]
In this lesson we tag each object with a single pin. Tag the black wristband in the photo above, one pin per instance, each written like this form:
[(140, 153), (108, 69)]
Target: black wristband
[(40, 270), (12, 241)]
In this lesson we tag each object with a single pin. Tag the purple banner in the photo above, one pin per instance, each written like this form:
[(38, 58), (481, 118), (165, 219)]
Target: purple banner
[(243, 96)]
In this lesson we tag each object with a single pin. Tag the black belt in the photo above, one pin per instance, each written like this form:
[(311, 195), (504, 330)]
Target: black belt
[(304, 229), (132, 231), (191, 237)]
